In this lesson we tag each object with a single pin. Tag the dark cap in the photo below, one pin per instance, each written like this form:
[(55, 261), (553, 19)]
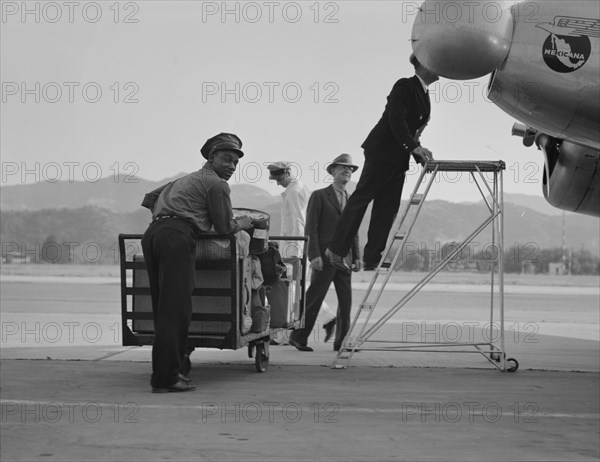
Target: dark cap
[(220, 142), (278, 168)]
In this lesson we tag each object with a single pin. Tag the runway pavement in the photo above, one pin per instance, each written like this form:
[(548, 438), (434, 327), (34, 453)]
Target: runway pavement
[(86, 400)]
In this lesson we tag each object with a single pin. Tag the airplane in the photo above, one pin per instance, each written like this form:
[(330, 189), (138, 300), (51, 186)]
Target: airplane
[(544, 64)]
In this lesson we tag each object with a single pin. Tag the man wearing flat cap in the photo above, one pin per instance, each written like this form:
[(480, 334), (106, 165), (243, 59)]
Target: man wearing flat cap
[(197, 203), (388, 148), (293, 216), (293, 208), (324, 211)]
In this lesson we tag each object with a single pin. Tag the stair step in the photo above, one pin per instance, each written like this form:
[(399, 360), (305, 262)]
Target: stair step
[(416, 199)]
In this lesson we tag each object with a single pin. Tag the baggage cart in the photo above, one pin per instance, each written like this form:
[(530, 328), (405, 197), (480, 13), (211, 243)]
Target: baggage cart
[(221, 300)]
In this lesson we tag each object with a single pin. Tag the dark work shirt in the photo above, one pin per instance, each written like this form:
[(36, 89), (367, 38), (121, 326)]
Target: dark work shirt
[(203, 198)]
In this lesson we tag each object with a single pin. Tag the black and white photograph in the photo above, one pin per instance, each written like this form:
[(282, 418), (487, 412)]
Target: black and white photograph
[(352, 230)]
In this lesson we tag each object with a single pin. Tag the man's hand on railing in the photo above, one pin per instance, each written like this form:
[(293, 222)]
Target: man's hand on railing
[(422, 155)]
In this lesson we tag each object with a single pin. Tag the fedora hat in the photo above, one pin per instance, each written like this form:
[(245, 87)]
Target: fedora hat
[(342, 159), (222, 141)]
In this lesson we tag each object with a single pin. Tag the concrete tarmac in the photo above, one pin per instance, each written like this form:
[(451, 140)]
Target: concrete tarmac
[(77, 401), (94, 403)]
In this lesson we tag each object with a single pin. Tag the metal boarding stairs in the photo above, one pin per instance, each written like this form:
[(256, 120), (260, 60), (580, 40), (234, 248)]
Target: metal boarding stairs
[(492, 350)]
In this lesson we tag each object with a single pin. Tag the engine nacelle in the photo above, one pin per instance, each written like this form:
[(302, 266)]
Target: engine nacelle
[(531, 86), (571, 175), (462, 40)]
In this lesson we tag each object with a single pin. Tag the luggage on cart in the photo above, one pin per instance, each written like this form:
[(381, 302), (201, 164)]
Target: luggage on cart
[(259, 234), (203, 307), (223, 313), (261, 310), (282, 295)]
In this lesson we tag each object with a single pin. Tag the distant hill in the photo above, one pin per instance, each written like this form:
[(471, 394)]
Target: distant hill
[(532, 202), (441, 221), (119, 194), (251, 197), (124, 193), (80, 212), (86, 229)]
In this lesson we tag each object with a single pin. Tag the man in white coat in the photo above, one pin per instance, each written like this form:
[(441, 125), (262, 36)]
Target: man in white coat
[(293, 208), (293, 220)]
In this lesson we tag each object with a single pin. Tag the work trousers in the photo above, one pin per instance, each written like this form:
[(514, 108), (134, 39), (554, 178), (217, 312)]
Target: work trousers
[(169, 249), (315, 294), (382, 183)]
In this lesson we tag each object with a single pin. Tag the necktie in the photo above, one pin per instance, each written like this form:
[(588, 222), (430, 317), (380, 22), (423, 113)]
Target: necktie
[(342, 196)]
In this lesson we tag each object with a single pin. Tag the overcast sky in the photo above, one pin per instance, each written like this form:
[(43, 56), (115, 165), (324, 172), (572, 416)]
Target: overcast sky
[(95, 88)]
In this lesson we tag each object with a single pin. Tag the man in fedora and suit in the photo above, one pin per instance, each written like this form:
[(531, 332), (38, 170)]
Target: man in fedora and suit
[(197, 203), (388, 149), (324, 210)]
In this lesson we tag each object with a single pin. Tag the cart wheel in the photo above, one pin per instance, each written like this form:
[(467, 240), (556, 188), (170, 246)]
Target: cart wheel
[(262, 356), (496, 356), (512, 368)]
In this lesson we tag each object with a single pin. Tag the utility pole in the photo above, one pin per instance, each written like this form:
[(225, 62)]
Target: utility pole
[(564, 245)]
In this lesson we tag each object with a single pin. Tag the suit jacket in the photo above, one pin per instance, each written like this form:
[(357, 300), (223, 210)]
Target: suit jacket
[(322, 216), (397, 133)]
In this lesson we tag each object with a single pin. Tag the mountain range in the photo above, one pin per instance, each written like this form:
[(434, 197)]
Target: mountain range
[(112, 205), (122, 193)]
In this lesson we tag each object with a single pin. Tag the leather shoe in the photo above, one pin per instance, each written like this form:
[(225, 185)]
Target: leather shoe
[(329, 330), (337, 348), (337, 261), (373, 266), (186, 378), (299, 346), (178, 386)]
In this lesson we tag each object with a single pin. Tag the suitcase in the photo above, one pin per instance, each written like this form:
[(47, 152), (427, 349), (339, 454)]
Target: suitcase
[(294, 274), (201, 304), (281, 298)]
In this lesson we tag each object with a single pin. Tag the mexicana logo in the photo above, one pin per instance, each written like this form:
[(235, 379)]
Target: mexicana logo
[(568, 46)]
